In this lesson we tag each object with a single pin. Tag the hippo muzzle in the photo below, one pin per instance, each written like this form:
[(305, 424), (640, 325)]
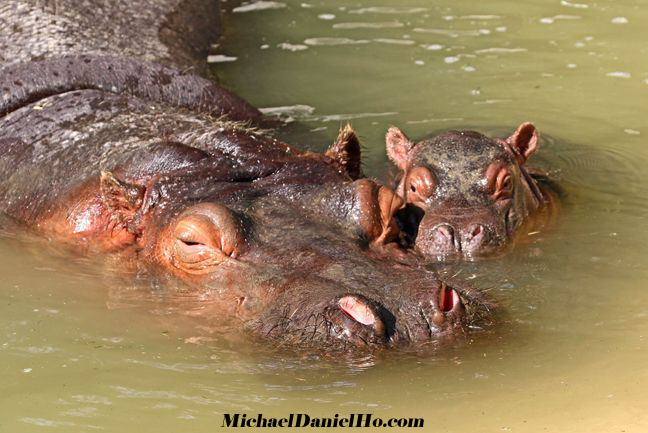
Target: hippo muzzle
[(463, 232)]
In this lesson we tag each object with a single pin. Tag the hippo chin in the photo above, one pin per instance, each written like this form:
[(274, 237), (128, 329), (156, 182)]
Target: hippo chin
[(468, 195)]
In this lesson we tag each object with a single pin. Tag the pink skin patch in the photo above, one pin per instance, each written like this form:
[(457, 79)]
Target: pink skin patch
[(357, 309), (448, 299)]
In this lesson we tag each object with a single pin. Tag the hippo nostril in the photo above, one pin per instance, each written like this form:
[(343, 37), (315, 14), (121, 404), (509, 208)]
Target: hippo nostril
[(360, 320), (476, 235), (448, 299), (444, 233), (357, 309)]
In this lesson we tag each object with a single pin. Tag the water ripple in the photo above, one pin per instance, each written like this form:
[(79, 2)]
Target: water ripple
[(573, 5), (43, 422), (452, 33), (369, 25), (334, 41), (619, 74), (500, 50), (259, 6), (394, 41), (472, 17), (551, 20), (340, 117), (125, 392), (289, 113), (388, 10), (292, 47), (446, 119)]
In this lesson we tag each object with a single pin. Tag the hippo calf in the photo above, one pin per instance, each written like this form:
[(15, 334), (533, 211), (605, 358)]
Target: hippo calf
[(164, 172), (468, 195)]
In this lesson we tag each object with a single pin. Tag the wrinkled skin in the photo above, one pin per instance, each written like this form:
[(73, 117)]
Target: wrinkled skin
[(110, 147), (468, 195), (287, 242), (173, 33)]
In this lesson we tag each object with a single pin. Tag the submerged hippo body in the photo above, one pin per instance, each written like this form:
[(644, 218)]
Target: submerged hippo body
[(285, 241), (161, 170), (469, 195)]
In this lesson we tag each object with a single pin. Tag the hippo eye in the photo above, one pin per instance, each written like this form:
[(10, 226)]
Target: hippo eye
[(503, 185), (420, 184), (506, 183), (204, 237), (195, 241)]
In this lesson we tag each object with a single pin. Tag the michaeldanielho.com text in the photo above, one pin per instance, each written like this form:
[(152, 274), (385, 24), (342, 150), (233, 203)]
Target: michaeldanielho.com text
[(303, 420)]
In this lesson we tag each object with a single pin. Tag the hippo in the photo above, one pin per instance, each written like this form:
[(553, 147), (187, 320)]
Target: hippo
[(468, 195), (129, 157)]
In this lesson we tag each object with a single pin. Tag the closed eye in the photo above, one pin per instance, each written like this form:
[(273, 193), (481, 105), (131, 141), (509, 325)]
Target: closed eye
[(190, 243)]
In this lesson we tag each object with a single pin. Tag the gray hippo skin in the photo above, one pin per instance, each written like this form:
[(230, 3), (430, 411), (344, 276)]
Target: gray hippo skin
[(50, 47), (155, 169), (174, 33)]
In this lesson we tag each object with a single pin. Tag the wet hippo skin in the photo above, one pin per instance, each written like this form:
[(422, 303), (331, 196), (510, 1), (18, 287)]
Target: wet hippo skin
[(117, 150), (469, 195)]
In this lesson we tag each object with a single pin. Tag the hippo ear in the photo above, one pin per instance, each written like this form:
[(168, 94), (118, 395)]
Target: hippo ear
[(346, 151), (398, 147), (122, 199), (524, 141)]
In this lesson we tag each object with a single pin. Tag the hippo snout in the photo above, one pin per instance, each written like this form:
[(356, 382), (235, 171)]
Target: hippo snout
[(474, 238), (429, 314), (445, 239)]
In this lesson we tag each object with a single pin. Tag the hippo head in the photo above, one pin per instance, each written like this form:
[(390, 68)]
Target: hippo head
[(467, 194), (293, 246), (297, 254)]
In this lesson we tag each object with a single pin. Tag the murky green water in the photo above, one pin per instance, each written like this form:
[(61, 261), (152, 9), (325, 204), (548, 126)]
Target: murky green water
[(572, 352)]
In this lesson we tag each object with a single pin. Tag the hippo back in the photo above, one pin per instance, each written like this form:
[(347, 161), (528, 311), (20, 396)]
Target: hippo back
[(172, 32), (154, 50)]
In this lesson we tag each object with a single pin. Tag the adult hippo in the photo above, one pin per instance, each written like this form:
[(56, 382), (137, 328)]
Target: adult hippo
[(157, 169), (469, 195)]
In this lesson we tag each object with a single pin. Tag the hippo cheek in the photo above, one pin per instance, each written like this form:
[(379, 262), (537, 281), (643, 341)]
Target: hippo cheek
[(513, 220)]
